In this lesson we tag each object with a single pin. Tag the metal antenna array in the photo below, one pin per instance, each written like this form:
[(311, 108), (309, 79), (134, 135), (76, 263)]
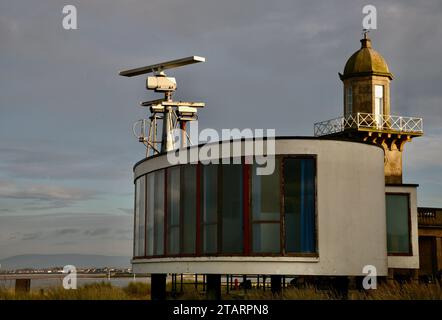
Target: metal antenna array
[(173, 114)]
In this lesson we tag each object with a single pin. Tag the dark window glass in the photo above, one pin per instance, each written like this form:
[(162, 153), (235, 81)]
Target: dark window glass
[(188, 203), (139, 217), (159, 213), (266, 238), (173, 210), (231, 208), (398, 228), (150, 207), (266, 211), (155, 213), (210, 208), (299, 205), (136, 218)]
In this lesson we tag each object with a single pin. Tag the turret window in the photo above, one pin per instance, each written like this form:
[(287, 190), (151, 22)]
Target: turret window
[(378, 104)]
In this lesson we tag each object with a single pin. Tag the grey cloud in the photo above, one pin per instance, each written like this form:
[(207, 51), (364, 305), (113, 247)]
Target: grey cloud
[(34, 207), (127, 211), (66, 231), (27, 161), (32, 236), (97, 232), (13, 236), (57, 233), (64, 243), (43, 192)]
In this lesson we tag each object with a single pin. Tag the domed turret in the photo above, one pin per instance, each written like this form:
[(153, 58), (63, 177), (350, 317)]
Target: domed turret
[(367, 114), (366, 62), (366, 82)]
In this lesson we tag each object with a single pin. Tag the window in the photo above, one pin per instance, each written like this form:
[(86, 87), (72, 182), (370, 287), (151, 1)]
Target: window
[(398, 224), (299, 205), (281, 212), (348, 100), (188, 207), (159, 213), (155, 213), (378, 104), (231, 208), (173, 210), (210, 208), (139, 217), (266, 211), (150, 211)]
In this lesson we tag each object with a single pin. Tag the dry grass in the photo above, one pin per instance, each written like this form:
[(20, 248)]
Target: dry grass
[(141, 291), (396, 291), (307, 293), (96, 291), (385, 291)]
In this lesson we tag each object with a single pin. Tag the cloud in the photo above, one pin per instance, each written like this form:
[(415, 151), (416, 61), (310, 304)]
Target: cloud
[(43, 162), (71, 232), (127, 211), (32, 236), (97, 232), (424, 152), (43, 192), (66, 231)]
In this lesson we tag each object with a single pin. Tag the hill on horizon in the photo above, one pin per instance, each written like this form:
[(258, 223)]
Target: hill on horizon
[(59, 260)]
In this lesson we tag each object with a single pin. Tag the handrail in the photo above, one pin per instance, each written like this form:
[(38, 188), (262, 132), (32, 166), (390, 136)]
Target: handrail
[(376, 122)]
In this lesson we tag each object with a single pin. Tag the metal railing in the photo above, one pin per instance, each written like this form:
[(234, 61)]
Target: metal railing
[(375, 122), (429, 216)]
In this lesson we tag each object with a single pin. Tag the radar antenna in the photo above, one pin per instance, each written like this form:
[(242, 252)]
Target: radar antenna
[(173, 114)]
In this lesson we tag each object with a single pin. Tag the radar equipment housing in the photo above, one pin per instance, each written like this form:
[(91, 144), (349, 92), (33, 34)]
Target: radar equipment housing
[(171, 114)]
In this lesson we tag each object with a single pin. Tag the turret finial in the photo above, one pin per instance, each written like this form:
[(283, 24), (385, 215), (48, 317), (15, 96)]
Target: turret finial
[(365, 42)]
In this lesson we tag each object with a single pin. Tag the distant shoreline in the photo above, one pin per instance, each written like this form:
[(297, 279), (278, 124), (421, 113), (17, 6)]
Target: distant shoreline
[(62, 275)]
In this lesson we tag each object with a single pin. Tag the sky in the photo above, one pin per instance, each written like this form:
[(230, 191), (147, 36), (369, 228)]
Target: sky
[(66, 145)]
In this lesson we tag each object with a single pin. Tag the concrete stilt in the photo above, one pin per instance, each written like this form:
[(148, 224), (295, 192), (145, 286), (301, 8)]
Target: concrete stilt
[(340, 285), (158, 286), (275, 284), (213, 291)]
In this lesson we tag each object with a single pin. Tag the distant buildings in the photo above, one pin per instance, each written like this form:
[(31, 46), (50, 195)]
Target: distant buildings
[(430, 243)]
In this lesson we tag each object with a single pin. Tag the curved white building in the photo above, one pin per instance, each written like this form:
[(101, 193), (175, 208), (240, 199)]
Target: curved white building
[(321, 212)]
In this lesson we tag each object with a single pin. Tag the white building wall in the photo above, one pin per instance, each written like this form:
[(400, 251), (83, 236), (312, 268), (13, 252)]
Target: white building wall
[(351, 219)]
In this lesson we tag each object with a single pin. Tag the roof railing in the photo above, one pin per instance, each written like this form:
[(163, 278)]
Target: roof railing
[(370, 122)]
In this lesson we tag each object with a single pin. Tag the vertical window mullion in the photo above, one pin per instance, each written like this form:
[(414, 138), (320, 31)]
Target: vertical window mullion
[(181, 210), (220, 209), (246, 209), (145, 214), (281, 205), (198, 196), (136, 212), (165, 250)]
